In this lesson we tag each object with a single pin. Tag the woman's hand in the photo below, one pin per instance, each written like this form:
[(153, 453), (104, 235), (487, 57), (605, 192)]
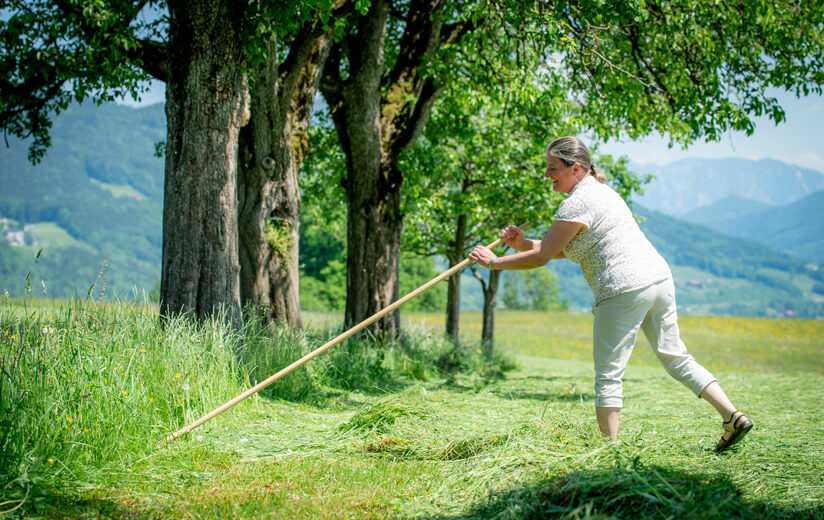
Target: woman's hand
[(514, 238), (483, 255)]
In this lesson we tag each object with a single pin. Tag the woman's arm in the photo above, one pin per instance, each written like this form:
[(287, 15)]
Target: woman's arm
[(551, 246)]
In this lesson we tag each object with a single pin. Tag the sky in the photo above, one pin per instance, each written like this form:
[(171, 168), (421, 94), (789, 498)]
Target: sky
[(799, 140)]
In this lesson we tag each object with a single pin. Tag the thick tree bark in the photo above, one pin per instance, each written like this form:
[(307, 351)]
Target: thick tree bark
[(453, 293), (373, 196), (272, 146), (205, 105), (377, 115), (490, 289)]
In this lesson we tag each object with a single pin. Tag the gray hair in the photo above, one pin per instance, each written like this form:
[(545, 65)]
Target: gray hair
[(571, 150)]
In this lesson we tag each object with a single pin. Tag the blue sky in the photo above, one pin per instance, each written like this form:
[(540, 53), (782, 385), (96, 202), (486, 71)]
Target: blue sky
[(797, 141)]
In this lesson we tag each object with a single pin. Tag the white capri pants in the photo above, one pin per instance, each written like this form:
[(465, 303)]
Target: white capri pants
[(617, 320)]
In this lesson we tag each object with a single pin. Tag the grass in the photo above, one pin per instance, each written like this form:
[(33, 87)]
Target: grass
[(53, 235), (412, 443), (119, 190)]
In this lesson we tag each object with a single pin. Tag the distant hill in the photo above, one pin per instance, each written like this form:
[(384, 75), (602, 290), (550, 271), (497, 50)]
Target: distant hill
[(96, 197), (683, 186), (797, 228), (724, 210)]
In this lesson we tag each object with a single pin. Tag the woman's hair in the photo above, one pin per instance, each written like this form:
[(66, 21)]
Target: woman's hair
[(571, 150)]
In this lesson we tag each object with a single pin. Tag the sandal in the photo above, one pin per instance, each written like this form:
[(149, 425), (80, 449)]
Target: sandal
[(736, 427)]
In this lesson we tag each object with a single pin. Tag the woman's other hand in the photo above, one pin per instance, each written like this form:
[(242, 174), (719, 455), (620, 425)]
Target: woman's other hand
[(514, 238)]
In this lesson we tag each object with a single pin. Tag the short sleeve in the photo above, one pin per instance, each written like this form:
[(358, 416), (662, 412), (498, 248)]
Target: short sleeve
[(574, 209)]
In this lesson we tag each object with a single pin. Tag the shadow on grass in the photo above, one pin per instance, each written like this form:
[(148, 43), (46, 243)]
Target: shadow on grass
[(648, 492), (54, 503)]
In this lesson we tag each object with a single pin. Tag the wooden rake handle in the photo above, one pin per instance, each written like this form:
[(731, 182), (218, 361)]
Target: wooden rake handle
[(365, 323)]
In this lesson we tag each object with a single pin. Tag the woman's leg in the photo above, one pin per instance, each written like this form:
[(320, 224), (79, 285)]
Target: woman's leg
[(661, 329), (614, 331), (608, 421)]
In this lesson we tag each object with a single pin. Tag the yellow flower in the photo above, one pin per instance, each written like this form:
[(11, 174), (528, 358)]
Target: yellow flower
[(151, 399), (85, 430), (143, 350), (160, 337), (50, 461), (177, 375), (69, 419), (124, 393), (479, 351)]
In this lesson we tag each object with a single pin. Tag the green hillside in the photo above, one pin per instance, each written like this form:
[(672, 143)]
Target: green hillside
[(725, 209), (796, 228), (719, 274), (95, 199)]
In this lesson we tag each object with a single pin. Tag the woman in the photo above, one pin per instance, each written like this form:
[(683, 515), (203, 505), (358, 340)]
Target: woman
[(632, 285)]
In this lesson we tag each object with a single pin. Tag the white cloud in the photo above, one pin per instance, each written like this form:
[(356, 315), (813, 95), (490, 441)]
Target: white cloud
[(815, 107), (810, 160)]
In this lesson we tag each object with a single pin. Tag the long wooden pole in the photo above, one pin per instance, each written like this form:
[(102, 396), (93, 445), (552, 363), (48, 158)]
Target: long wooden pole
[(365, 323)]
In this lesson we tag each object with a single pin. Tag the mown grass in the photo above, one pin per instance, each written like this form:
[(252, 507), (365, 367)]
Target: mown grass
[(406, 443)]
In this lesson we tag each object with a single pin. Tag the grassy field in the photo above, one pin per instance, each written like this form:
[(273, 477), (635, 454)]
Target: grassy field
[(90, 389)]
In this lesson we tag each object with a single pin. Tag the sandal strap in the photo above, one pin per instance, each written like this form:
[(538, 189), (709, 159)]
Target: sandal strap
[(730, 424)]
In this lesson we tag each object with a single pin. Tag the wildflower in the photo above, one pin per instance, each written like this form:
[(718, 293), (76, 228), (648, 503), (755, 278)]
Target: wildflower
[(177, 375), (151, 399), (125, 394), (186, 386), (160, 337), (50, 461), (47, 330), (69, 419), (143, 350), (85, 430), (479, 351)]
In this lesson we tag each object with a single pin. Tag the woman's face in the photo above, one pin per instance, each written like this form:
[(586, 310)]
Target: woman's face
[(564, 177)]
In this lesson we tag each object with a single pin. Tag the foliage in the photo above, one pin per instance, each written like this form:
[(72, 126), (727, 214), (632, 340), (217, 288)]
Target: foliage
[(535, 290), (54, 53)]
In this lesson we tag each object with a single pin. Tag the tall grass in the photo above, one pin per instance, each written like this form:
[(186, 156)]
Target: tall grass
[(90, 385), (94, 383)]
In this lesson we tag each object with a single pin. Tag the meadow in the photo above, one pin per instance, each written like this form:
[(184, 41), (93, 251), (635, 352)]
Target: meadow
[(413, 430)]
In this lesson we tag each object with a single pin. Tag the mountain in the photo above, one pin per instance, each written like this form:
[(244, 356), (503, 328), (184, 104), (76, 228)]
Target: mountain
[(796, 228), (95, 200), (725, 209), (683, 186)]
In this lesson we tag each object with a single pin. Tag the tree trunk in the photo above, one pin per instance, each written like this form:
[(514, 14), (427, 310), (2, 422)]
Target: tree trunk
[(273, 145), (490, 294), (372, 185), (374, 236), (377, 115), (205, 105), (453, 294)]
